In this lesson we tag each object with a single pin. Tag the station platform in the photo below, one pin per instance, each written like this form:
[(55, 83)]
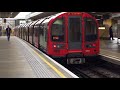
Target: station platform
[(19, 59), (110, 50)]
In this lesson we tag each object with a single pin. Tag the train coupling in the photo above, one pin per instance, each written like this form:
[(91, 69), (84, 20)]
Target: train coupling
[(75, 60)]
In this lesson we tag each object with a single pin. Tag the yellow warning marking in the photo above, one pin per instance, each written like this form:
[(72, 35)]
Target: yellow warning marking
[(55, 69)]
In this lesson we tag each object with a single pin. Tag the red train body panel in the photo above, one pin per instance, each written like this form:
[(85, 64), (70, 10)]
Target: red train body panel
[(69, 34)]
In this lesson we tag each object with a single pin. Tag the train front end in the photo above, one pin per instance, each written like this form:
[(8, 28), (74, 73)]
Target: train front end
[(73, 35)]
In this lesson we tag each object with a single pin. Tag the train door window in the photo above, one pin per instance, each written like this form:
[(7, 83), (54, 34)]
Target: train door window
[(57, 30), (35, 31), (31, 31), (46, 33), (74, 29), (90, 30), (42, 30)]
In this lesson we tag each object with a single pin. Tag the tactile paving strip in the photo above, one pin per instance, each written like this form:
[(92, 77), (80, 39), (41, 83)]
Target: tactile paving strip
[(38, 66)]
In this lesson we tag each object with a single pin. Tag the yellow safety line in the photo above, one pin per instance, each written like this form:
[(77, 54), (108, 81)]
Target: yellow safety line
[(55, 69)]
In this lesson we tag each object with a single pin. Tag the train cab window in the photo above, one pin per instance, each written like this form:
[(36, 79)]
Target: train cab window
[(90, 30), (57, 30)]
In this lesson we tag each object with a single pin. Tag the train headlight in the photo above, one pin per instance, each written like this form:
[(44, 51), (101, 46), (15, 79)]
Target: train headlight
[(54, 46), (93, 45), (59, 46), (90, 45)]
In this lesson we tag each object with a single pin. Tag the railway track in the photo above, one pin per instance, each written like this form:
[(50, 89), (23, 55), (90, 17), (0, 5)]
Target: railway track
[(95, 69)]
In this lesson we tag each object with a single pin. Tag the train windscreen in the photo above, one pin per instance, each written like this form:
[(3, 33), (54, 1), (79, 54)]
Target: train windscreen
[(57, 30), (90, 30)]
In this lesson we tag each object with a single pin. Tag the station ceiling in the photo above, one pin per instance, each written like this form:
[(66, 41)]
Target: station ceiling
[(101, 15), (98, 15), (8, 14)]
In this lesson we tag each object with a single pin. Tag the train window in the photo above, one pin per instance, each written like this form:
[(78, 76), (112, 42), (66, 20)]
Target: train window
[(30, 31), (36, 31), (41, 30), (90, 30), (46, 35), (57, 30)]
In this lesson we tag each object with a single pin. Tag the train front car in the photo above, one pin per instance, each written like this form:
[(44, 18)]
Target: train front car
[(73, 35)]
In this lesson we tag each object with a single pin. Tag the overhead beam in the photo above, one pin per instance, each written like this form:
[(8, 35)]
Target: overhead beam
[(42, 15)]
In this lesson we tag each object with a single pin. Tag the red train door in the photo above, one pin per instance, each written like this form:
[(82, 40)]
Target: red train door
[(74, 33)]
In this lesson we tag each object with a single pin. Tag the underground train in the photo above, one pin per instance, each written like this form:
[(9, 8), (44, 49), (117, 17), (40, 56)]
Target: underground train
[(73, 35)]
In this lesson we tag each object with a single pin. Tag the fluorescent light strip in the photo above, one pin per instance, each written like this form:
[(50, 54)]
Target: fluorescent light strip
[(22, 15), (101, 28)]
